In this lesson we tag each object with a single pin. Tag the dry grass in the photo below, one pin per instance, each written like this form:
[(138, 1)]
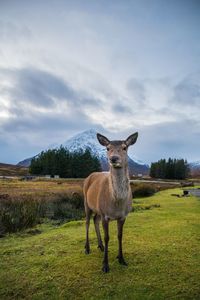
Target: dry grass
[(12, 170), (25, 203), (38, 186)]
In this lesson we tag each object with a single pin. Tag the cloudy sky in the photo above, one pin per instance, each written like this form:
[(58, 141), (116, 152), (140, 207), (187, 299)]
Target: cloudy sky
[(116, 66)]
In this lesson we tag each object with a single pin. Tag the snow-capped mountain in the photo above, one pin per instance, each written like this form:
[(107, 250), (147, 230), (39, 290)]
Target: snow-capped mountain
[(195, 165), (195, 168), (88, 140)]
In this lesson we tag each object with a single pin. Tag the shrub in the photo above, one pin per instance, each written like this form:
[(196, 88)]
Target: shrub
[(143, 190), (19, 213), (24, 211), (65, 207)]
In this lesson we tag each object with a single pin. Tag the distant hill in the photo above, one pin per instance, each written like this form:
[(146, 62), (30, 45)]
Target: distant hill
[(12, 170), (26, 162), (195, 165), (88, 140), (195, 168)]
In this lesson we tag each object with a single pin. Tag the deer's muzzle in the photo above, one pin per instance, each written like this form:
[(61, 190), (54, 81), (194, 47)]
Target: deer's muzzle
[(115, 161)]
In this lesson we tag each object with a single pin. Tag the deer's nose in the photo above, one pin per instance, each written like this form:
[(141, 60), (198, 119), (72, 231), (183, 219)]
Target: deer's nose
[(114, 159)]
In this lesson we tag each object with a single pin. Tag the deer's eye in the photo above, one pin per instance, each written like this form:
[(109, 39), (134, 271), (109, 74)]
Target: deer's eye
[(108, 148), (124, 148)]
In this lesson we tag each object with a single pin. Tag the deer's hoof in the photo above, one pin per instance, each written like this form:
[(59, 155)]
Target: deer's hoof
[(105, 268), (87, 250), (101, 247), (122, 261)]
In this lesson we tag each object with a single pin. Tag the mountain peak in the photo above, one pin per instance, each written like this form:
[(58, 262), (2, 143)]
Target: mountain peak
[(90, 133), (86, 140)]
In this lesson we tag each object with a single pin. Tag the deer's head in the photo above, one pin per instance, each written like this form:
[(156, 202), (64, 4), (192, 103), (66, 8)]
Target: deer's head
[(117, 150)]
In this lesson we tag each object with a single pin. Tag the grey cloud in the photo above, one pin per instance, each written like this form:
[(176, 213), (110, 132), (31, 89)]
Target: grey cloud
[(13, 33), (187, 92), (136, 89), (169, 139), (120, 108), (43, 89), (40, 87), (86, 101), (45, 122)]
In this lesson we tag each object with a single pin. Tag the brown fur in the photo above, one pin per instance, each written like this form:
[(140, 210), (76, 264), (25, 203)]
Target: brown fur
[(108, 195)]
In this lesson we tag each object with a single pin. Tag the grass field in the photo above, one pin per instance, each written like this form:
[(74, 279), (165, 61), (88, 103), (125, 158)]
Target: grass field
[(161, 246), (38, 187)]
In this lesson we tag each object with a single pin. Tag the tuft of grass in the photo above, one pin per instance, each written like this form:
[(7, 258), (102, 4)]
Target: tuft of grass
[(161, 246)]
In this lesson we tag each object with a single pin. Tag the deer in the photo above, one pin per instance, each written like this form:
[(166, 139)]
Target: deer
[(108, 195)]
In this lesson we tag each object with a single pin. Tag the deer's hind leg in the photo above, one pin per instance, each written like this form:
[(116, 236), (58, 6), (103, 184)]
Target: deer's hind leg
[(97, 219), (88, 213)]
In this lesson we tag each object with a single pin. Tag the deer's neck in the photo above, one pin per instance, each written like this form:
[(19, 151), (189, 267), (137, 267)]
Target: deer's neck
[(119, 179)]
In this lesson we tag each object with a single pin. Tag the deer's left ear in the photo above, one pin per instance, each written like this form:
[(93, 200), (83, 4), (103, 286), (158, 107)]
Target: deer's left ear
[(131, 139), (102, 139)]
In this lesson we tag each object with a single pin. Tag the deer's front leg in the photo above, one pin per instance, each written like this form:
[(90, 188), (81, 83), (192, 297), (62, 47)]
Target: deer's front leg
[(105, 224), (120, 224)]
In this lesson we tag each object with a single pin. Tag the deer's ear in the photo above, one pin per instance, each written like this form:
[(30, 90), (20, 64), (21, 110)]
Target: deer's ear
[(102, 140), (131, 139)]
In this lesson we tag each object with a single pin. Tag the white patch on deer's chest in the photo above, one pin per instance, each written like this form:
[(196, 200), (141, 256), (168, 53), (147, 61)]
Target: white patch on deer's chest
[(120, 187), (120, 202)]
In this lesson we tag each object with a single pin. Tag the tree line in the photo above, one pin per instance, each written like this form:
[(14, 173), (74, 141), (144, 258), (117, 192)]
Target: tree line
[(64, 163), (170, 169)]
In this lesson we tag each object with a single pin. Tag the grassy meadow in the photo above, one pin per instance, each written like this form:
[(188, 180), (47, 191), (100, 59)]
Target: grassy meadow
[(161, 246)]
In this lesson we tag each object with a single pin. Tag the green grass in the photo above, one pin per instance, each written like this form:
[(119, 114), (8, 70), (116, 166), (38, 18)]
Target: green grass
[(161, 246)]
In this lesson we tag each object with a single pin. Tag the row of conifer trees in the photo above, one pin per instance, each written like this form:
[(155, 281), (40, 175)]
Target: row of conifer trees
[(170, 169), (64, 163), (81, 163)]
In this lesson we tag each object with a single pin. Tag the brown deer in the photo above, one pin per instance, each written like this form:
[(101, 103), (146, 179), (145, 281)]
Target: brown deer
[(108, 195)]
